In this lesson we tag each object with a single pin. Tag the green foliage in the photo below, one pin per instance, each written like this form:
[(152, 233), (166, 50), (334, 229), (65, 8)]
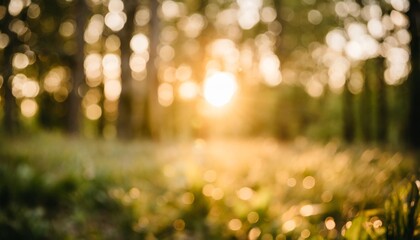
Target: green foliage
[(402, 212), (36, 205), (397, 219), (58, 188)]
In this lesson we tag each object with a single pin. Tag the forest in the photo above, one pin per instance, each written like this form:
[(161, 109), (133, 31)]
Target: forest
[(213, 119)]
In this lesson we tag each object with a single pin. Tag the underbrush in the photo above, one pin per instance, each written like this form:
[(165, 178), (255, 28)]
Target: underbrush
[(52, 187)]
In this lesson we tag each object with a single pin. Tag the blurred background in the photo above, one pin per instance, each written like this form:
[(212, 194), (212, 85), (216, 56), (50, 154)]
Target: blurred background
[(213, 119), (182, 70)]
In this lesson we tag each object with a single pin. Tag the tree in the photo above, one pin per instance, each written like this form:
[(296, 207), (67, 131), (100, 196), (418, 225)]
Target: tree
[(153, 110), (78, 76), (413, 129), (10, 119), (124, 124)]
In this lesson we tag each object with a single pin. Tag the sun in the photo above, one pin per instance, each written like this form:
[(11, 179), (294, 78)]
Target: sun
[(219, 88)]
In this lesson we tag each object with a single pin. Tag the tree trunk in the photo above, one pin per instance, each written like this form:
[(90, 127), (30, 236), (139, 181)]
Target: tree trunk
[(366, 105), (382, 111), (413, 131), (153, 108), (348, 115), (78, 74), (10, 118), (124, 124)]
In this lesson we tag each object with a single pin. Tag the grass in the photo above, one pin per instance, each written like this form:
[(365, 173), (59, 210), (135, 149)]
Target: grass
[(53, 187)]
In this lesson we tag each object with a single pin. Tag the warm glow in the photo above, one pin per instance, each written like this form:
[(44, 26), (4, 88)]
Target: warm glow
[(139, 43), (170, 9), (308, 182), (15, 7), (20, 61), (235, 224), (115, 20), (245, 193), (289, 226), (94, 29), (329, 223), (67, 28), (22, 86), (28, 108), (4, 40), (188, 90), (219, 88), (248, 14), (112, 89), (93, 112), (270, 69), (165, 94)]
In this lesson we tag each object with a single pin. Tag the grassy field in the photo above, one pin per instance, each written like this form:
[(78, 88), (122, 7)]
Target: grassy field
[(52, 187)]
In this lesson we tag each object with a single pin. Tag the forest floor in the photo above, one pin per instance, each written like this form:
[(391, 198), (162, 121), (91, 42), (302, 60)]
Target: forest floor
[(53, 187)]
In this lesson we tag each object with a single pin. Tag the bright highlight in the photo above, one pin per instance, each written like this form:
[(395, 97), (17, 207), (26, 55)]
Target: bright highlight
[(219, 88)]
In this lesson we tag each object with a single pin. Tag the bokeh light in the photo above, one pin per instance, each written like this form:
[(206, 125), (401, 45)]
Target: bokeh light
[(219, 88)]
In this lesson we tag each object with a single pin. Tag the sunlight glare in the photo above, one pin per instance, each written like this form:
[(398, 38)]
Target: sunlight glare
[(139, 43), (336, 40), (112, 89), (115, 20), (248, 14), (270, 69), (94, 29), (219, 88)]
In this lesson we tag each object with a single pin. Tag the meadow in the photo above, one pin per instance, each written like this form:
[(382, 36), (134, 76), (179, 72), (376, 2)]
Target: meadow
[(55, 187)]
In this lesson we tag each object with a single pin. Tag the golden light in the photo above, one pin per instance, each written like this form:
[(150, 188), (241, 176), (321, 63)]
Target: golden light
[(94, 29), (235, 224), (15, 7), (254, 233), (20, 61), (28, 108), (171, 9), (112, 89), (248, 14), (188, 90), (165, 94), (245, 193), (253, 217), (4, 40), (219, 88), (34, 11), (115, 20), (289, 226), (329, 223), (67, 28), (93, 112), (139, 43)]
